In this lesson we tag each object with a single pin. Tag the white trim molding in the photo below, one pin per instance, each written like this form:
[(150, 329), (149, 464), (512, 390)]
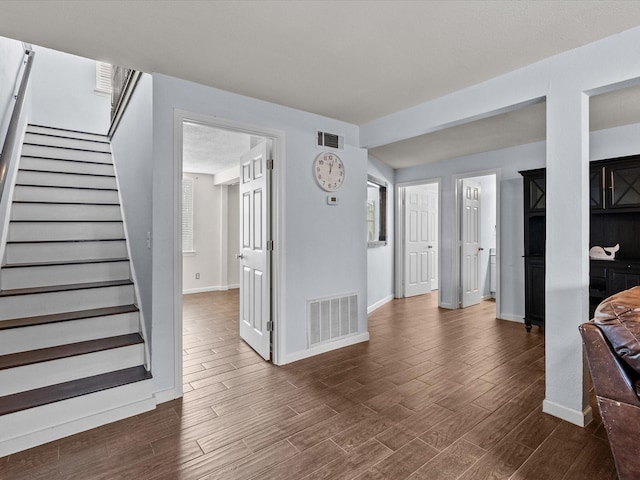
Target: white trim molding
[(577, 417), (326, 347), (379, 303)]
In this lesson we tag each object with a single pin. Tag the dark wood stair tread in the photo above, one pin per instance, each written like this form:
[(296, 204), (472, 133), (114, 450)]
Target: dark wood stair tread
[(37, 170), (66, 317), (75, 388), (40, 355), (40, 157), (63, 288), (66, 148), (65, 262), (35, 185), (105, 141), (37, 125)]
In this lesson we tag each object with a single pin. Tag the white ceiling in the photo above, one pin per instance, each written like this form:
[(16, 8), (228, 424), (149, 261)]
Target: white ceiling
[(350, 60), (211, 150)]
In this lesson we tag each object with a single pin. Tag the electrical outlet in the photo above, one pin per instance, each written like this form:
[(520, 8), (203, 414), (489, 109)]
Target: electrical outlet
[(197, 276)]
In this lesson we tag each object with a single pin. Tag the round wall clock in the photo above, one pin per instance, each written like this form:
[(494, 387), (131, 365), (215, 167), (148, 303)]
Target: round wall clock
[(328, 170)]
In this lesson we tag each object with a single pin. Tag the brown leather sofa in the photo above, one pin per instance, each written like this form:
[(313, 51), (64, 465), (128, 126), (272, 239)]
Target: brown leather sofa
[(612, 345)]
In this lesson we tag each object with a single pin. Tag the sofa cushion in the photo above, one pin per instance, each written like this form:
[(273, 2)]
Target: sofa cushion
[(619, 319)]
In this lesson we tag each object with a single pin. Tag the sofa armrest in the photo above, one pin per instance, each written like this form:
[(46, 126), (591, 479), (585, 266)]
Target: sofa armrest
[(612, 378)]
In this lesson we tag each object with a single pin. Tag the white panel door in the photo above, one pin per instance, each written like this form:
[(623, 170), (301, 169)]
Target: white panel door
[(470, 231), (418, 267), (255, 257)]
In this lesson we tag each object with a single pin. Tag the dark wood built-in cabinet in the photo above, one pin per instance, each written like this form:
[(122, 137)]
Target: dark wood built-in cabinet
[(534, 241), (615, 219)]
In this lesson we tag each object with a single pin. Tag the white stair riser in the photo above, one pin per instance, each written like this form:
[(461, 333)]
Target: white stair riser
[(39, 231), (33, 305), (56, 252), (64, 195), (29, 377), (65, 153), (28, 428), (65, 141), (53, 211), (16, 340), (49, 165), (27, 177), (27, 277), (66, 133)]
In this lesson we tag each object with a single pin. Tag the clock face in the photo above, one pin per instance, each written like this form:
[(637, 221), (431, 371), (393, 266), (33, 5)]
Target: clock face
[(329, 171)]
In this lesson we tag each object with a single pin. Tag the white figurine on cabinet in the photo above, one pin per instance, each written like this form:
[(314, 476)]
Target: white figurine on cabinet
[(604, 253)]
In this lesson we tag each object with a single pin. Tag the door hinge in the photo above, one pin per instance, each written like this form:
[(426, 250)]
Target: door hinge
[(270, 164), (270, 245), (270, 326)]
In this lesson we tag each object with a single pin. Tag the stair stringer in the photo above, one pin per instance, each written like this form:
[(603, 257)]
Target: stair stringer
[(134, 278)]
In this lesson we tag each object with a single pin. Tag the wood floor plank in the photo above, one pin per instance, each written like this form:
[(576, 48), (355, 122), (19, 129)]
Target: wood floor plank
[(451, 463), (406, 460), (350, 466)]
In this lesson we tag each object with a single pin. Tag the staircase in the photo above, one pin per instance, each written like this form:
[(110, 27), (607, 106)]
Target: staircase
[(72, 352)]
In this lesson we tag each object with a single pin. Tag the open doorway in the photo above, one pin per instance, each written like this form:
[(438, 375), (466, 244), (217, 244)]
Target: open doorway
[(477, 222), (418, 235), (227, 179)]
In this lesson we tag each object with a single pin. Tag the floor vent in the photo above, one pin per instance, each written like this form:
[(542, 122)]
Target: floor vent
[(332, 318)]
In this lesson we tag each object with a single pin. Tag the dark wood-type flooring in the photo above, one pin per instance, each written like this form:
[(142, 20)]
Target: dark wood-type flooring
[(435, 394)]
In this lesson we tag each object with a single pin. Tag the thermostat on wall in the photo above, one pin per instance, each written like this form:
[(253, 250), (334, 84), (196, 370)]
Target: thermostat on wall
[(332, 200)]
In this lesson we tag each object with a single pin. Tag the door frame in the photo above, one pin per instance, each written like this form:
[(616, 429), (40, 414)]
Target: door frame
[(277, 228), (400, 251), (456, 244)]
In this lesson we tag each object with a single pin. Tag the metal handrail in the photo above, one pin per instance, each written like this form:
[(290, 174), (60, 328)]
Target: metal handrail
[(124, 81), (12, 131)]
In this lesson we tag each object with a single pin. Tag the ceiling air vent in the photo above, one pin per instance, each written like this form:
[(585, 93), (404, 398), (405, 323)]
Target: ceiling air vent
[(330, 140)]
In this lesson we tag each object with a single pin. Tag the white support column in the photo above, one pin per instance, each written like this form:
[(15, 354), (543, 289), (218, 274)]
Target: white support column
[(567, 246)]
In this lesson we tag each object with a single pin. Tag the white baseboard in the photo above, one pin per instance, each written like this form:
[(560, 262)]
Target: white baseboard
[(577, 417), (166, 395), (379, 304), (326, 347), (448, 306), (510, 317), (222, 288)]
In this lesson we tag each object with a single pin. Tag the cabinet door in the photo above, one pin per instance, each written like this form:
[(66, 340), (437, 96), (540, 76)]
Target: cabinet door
[(620, 279), (596, 187), (534, 291), (534, 191), (624, 186)]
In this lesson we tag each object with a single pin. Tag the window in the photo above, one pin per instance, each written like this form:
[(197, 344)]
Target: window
[(187, 216), (103, 77), (376, 212)]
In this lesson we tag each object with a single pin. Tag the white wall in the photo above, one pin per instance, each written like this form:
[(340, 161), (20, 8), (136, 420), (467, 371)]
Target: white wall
[(63, 93), (216, 231), (11, 57), (132, 148), (323, 245), (380, 260)]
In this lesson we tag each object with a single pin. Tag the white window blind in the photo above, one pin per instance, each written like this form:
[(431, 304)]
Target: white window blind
[(103, 77), (187, 215)]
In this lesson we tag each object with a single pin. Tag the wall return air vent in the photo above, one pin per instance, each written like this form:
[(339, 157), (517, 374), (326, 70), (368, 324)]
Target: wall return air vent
[(330, 140), (330, 319)]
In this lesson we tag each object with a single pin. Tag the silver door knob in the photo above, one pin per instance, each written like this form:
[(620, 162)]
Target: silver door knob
[(239, 256)]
